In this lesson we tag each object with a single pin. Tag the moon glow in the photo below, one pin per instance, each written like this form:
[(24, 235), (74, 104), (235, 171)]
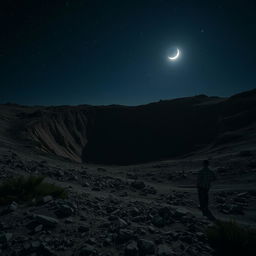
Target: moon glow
[(175, 57)]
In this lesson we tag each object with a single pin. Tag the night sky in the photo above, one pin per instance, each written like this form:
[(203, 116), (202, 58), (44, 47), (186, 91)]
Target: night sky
[(115, 52)]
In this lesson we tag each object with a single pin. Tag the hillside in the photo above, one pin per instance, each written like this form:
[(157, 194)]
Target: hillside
[(126, 135), (87, 207)]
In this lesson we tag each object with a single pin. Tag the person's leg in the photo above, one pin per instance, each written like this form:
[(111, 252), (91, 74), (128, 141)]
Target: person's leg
[(208, 213), (204, 201), (206, 191), (200, 198)]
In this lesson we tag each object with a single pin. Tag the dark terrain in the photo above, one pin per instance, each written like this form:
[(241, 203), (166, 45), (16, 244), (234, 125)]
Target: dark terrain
[(130, 174)]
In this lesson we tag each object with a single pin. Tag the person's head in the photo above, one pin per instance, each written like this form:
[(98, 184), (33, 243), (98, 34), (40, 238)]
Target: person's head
[(206, 163)]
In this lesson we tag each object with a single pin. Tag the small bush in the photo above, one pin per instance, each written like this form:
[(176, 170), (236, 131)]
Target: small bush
[(229, 238), (22, 189)]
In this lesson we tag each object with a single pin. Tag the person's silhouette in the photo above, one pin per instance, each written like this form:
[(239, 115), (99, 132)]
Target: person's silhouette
[(204, 180)]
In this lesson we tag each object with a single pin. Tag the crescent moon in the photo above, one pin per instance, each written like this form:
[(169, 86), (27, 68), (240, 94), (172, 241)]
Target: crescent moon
[(176, 56)]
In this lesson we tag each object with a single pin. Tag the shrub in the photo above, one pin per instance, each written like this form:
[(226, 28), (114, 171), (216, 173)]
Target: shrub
[(229, 238), (22, 189)]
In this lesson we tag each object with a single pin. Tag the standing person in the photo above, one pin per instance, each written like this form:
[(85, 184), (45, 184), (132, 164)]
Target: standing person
[(204, 180)]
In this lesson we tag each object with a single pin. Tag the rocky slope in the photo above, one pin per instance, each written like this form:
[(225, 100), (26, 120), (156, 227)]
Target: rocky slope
[(111, 211)]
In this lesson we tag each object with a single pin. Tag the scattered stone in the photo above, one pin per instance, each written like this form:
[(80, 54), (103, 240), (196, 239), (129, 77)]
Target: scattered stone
[(69, 221), (134, 212), (146, 247), (131, 249), (152, 230), (164, 250), (179, 213), (101, 169), (87, 250), (13, 206), (5, 237), (186, 237), (91, 241), (132, 176), (243, 195), (125, 235), (47, 199), (123, 194), (158, 221), (83, 228), (236, 209), (35, 244), (201, 236), (138, 184), (64, 211), (39, 228), (120, 223), (150, 190), (46, 221)]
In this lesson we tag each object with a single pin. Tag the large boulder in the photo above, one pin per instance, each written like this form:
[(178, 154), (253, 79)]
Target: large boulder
[(164, 250), (131, 249), (64, 211), (5, 237), (87, 250), (46, 221), (125, 235), (146, 247)]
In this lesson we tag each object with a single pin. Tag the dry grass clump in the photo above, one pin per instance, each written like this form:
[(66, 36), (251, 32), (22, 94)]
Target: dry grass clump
[(23, 189), (229, 238)]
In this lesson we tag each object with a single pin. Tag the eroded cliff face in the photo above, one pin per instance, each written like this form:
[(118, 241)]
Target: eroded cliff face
[(62, 132), (128, 135)]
